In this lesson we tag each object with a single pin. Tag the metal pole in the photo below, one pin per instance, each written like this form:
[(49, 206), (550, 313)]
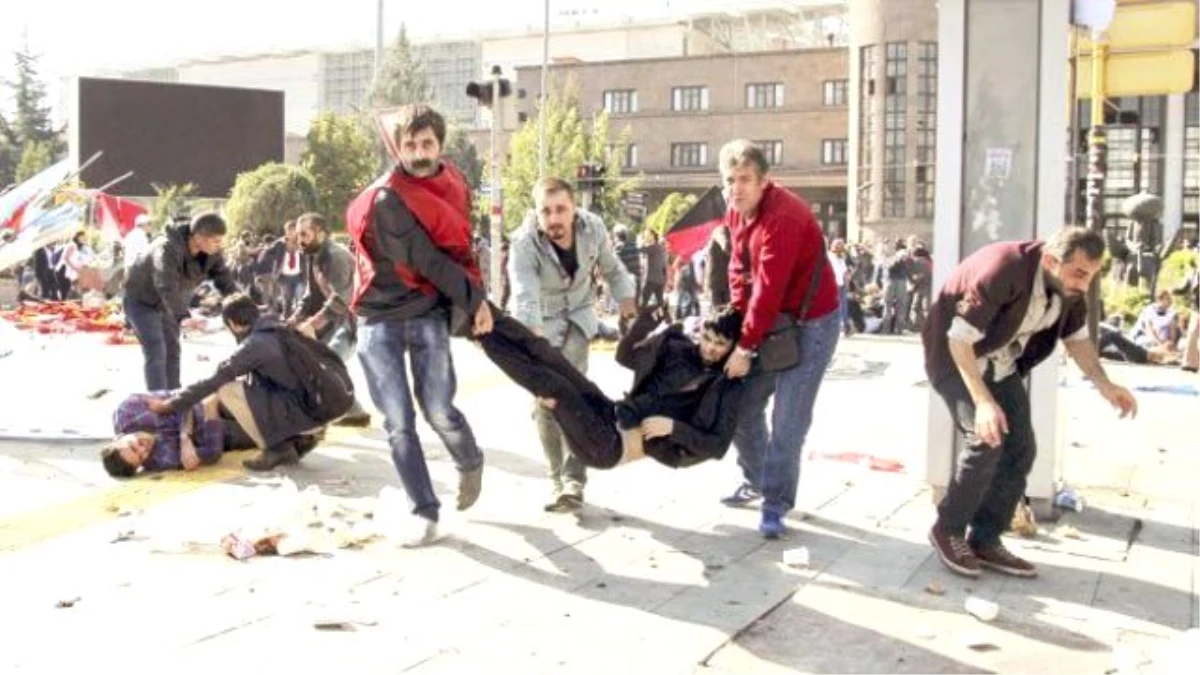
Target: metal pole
[(1097, 166), (497, 224), (378, 38), (542, 95)]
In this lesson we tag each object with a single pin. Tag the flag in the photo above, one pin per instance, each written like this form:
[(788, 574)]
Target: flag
[(694, 228), (116, 214), (14, 202), (44, 227)]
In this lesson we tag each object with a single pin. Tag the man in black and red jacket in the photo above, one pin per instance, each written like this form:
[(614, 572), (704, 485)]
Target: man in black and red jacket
[(1001, 313), (777, 267), (409, 298)]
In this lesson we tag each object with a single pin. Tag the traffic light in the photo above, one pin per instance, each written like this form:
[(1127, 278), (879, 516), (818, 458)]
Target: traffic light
[(485, 92)]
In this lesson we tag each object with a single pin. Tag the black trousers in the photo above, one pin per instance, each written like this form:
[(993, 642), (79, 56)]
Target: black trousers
[(653, 291), (988, 482), (587, 417)]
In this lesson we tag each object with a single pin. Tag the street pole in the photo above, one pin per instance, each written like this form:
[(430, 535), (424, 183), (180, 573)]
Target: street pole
[(497, 218), (378, 40), (1097, 166), (542, 95)]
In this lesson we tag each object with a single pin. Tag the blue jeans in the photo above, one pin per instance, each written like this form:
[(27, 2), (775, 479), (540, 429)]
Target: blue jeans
[(426, 340), (842, 307), (158, 333), (771, 461)]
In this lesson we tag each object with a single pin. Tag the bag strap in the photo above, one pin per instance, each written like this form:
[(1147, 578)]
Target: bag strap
[(822, 261)]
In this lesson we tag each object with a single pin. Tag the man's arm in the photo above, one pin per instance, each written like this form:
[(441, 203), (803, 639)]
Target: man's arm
[(1084, 353), (637, 351), (778, 260), (166, 261), (206, 435), (697, 445), (221, 275), (340, 280), (524, 272), (247, 357), (402, 240)]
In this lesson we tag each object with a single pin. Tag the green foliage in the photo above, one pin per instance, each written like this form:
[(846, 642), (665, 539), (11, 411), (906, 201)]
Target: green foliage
[(462, 152), (401, 76), (35, 156), (571, 141), (341, 160), (264, 199), (1176, 268), (1127, 301), (169, 200), (670, 211)]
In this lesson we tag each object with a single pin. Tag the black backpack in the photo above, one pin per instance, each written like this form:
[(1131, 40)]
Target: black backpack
[(327, 392)]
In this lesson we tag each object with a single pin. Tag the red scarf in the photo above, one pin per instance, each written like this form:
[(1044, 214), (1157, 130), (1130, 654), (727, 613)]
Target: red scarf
[(441, 205)]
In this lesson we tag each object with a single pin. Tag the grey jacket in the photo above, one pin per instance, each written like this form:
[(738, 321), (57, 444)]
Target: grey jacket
[(543, 295), (329, 285)]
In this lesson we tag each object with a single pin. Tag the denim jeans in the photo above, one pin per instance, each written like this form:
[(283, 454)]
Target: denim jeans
[(771, 461), (426, 340), (158, 333)]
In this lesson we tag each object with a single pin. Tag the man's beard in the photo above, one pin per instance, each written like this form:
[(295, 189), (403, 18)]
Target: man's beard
[(312, 249)]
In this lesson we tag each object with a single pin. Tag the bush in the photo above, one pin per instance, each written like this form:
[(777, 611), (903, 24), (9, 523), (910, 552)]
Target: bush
[(1176, 268), (264, 199)]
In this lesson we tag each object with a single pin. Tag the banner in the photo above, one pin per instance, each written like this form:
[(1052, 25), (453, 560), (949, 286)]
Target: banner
[(693, 230), (14, 203)]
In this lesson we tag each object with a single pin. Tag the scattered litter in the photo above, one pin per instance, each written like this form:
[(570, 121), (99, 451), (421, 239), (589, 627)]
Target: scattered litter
[(1023, 522), (1068, 500), (1067, 532), (796, 557), (334, 625), (68, 603), (984, 610), (979, 643), (935, 588), (98, 393)]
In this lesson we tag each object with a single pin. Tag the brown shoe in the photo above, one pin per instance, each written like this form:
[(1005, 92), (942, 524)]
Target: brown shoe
[(1002, 560), (954, 552)]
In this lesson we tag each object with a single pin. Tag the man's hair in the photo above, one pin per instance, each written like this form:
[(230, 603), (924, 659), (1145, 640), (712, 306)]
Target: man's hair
[(1070, 239), (726, 322), (240, 309), (742, 153), (415, 117), (114, 464), (289, 225), (315, 220), (548, 186), (208, 225), (621, 234)]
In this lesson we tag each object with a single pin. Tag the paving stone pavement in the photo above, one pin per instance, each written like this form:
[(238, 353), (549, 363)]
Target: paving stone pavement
[(654, 575)]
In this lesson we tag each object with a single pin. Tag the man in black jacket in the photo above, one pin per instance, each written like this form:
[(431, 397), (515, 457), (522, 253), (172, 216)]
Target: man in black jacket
[(160, 284), (681, 410), (268, 404)]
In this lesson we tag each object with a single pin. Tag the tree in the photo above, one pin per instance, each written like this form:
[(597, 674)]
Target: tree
[(570, 142), (462, 152), (670, 211), (341, 160), (262, 200), (35, 156), (32, 121), (170, 200), (9, 152), (401, 76)]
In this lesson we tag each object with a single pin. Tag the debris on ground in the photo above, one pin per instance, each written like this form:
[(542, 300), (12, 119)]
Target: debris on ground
[(984, 610), (935, 588), (796, 557)]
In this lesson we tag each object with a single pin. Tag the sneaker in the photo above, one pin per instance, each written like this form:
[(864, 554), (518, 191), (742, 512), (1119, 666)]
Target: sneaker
[(566, 502), (470, 483), (771, 526), (420, 532), (742, 496), (1002, 560), (954, 552)]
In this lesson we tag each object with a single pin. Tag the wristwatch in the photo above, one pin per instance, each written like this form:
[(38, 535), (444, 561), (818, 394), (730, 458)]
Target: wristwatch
[(742, 351)]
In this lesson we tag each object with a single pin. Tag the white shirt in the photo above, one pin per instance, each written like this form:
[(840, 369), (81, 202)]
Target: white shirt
[(838, 264), (1043, 312), (135, 242)]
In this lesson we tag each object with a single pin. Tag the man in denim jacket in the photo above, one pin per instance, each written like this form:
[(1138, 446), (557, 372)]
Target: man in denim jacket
[(550, 265)]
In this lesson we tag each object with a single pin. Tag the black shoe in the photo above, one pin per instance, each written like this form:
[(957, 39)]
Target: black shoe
[(305, 444), (278, 455)]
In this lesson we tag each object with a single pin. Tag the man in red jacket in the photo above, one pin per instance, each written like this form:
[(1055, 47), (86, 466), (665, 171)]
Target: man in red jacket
[(1002, 312), (777, 269), (417, 283)]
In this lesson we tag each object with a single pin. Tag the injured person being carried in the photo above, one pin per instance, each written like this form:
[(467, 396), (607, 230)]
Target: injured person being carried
[(681, 410)]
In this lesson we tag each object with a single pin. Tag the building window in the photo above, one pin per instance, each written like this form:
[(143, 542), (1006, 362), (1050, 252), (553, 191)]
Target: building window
[(867, 125), (1191, 168), (689, 154), (926, 134), (833, 151), (764, 95), (834, 92), (620, 101), (689, 98), (628, 159), (895, 127), (773, 150)]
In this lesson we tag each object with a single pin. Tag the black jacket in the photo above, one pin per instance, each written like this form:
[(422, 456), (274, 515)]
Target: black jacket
[(167, 275), (708, 432)]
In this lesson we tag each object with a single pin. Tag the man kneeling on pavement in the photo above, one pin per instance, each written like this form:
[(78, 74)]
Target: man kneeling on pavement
[(274, 404)]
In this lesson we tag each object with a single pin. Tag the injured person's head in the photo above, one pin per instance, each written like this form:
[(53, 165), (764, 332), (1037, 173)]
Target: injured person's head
[(721, 331), (124, 456)]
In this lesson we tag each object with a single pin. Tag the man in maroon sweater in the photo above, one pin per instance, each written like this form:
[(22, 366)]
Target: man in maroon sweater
[(1002, 312), (776, 234)]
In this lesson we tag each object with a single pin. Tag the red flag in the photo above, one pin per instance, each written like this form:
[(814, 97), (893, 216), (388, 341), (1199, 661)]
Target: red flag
[(694, 229), (117, 213), (14, 222)]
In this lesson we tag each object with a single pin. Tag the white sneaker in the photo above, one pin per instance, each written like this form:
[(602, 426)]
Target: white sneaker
[(420, 532)]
